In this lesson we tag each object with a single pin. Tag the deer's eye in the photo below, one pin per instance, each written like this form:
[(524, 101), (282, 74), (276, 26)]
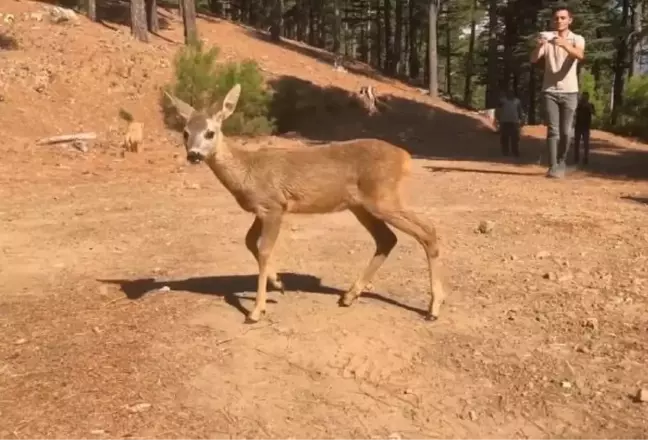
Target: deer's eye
[(209, 134)]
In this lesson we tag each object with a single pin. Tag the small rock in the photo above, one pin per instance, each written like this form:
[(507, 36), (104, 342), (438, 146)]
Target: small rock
[(58, 14), (165, 289), (486, 226), (551, 276), (642, 395), (566, 384), (80, 145), (408, 391), (395, 436), (472, 415), (97, 432), (591, 323), (21, 341), (543, 254), (583, 349)]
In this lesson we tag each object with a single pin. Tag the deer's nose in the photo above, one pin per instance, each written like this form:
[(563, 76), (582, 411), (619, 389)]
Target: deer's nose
[(194, 157)]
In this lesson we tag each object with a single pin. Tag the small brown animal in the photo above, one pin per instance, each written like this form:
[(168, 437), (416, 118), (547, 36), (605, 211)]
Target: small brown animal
[(133, 136), (363, 176), (134, 132)]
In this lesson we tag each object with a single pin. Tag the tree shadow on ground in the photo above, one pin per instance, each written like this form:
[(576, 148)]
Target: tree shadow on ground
[(8, 42), (229, 286), (325, 114), (321, 55), (114, 12), (641, 200)]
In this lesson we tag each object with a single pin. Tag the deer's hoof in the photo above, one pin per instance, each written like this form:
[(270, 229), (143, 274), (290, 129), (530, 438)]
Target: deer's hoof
[(254, 316), (430, 317), (277, 284), (346, 301)]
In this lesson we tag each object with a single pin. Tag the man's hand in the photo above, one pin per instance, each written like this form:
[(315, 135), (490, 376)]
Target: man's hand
[(561, 42), (571, 48)]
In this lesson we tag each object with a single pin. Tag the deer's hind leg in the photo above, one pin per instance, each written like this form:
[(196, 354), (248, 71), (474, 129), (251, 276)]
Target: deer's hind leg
[(252, 243), (426, 235), (385, 241)]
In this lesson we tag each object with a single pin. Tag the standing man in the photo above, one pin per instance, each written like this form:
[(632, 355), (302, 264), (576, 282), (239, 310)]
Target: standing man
[(582, 127), (562, 49), (509, 117)]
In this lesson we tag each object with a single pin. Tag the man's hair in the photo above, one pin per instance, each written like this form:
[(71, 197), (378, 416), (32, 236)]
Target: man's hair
[(561, 7)]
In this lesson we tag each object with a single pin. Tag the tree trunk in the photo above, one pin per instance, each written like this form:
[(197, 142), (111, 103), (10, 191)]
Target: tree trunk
[(637, 14), (379, 36), (389, 42), (433, 14), (276, 29), (620, 66), (414, 24), (337, 27), (368, 40), (302, 20), (448, 45), (491, 72), (152, 20), (189, 21), (398, 38), (311, 24), (216, 8), (470, 57), (91, 5), (138, 20)]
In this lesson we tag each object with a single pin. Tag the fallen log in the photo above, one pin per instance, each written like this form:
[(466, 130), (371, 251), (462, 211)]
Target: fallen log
[(67, 138)]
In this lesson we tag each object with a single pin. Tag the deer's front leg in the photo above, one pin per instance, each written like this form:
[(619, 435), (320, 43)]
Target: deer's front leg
[(252, 243), (270, 226)]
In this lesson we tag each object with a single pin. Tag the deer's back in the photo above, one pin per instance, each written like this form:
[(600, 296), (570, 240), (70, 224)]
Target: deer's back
[(327, 178)]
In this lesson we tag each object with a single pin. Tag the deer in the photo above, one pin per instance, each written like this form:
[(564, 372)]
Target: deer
[(363, 176)]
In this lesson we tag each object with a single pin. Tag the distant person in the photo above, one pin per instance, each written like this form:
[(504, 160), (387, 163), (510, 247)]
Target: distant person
[(562, 50), (509, 116), (584, 113)]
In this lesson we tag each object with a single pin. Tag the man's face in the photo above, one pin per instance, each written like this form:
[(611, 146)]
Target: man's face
[(562, 20)]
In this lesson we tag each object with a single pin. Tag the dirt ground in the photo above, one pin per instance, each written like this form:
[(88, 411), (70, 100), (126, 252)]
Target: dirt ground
[(124, 280)]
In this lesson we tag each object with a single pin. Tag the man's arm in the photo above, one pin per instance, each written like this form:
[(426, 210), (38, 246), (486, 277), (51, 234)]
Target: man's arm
[(539, 51), (576, 50)]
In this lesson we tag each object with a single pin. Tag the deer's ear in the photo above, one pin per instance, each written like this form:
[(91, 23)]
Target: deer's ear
[(184, 110), (230, 101)]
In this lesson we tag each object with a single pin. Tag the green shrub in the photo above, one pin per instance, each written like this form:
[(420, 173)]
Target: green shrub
[(634, 110), (596, 97), (201, 82)]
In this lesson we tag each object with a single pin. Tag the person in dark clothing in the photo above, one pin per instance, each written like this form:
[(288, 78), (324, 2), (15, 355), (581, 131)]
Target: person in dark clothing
[(583, 123), (510, 117)]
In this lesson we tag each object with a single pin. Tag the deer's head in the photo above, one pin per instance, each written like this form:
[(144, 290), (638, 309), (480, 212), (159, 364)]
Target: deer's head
[(202, 131)]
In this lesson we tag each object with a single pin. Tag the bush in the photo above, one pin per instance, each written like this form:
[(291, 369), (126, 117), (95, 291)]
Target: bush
[(588, 84), (201, 82), (634, 111)]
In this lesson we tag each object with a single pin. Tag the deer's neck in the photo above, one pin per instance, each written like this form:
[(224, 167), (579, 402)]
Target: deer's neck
[(230, 167)]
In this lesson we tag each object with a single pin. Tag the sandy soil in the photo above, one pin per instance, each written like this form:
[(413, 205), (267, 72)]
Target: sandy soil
[(125, 279)]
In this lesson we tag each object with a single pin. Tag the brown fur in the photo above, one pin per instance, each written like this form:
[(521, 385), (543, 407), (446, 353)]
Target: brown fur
[(133, 136), (363, 176)]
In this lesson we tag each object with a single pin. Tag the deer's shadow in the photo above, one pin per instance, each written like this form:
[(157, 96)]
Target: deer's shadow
[(230, 286)]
